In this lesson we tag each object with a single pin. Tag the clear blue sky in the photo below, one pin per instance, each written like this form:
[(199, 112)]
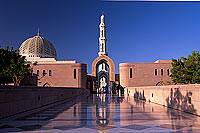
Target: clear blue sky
[(136, 31)]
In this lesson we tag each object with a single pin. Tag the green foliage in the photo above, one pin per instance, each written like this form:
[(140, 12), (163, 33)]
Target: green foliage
[(12, 66), (186, 70)]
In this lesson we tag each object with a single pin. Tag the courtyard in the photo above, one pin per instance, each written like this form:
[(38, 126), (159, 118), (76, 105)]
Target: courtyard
[(102, 113)]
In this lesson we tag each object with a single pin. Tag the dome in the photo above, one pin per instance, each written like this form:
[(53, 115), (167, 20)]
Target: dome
[(37, 47)]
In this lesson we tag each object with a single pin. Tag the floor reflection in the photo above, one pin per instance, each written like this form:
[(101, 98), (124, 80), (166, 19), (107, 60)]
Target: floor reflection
[(104, 112), (103, 109)]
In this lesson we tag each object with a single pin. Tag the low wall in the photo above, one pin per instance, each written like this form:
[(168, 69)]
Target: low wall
[(14, 100), (181, 97)]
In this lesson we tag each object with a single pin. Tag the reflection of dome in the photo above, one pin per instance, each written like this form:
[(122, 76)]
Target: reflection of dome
[(37, 47)]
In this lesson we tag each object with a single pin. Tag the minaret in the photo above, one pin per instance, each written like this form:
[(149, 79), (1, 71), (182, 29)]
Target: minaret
[(102, 38)]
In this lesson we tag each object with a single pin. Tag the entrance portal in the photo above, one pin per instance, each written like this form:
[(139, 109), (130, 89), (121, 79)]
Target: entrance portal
[(103, 68)]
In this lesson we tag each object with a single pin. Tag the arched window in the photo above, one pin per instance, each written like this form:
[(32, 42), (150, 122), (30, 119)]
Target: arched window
[(50, 73), (43, 73), (162, 72), (38, 73), (31, 72), (156, 72), (131, 73), (168, 72)]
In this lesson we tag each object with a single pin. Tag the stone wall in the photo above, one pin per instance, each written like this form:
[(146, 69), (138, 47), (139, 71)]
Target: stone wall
[(60, 74), (181, 97), (15, 100), (143, 74)]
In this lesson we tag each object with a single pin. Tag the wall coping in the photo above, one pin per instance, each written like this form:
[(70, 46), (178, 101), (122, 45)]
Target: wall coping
[(167, 86), (35, 88)]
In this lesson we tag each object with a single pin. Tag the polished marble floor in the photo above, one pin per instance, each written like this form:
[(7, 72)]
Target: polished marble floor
[(103, 113)]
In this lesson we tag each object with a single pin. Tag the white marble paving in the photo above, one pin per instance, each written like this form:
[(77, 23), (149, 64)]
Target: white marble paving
[(109, 114)]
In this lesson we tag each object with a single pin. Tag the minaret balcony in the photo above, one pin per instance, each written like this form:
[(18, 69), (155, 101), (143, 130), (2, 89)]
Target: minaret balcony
[(102, 25), (102, 38)]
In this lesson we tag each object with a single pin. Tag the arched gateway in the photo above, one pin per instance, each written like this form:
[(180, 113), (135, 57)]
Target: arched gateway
[(103, 59), (103, 68)]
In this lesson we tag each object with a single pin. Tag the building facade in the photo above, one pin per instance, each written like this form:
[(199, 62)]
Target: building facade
[(61, 74), (145, 74)]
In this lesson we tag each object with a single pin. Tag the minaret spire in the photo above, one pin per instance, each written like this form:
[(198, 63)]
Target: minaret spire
[(38, 31), (102, 38)]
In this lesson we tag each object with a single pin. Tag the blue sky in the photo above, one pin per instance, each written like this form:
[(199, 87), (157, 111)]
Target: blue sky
[(136, 31)]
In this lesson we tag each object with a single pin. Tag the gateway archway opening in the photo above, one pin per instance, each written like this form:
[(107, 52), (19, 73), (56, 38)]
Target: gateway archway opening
[(103, 78), (103, 68)]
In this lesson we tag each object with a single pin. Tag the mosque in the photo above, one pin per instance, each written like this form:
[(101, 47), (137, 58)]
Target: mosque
[(50, 72)]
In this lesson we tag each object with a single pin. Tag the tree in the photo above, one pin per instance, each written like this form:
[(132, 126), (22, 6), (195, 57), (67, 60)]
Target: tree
[(3, 78), (12, 66), (186, 70)]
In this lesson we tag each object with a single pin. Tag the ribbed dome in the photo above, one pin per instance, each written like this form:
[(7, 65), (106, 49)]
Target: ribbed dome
[(37, 47)]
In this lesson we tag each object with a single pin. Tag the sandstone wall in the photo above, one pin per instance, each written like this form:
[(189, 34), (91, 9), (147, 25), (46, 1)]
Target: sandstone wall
[(62, 74), (14, 100), (181, 97), (143, 74)]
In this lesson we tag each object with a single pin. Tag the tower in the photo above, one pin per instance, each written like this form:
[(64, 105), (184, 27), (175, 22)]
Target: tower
[(102, 73), (102, 37), (103, 67)]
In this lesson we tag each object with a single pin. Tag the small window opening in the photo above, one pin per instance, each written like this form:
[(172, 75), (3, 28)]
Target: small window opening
[(50, 73), (74, 111), (74, 73), (162, 72), (44, 73), (131, 73), (31, 72), (168, 72), (156, 72), (38, 73)]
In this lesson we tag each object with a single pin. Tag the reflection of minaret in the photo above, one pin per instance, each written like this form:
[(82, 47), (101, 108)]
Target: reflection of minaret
[(102, 38)]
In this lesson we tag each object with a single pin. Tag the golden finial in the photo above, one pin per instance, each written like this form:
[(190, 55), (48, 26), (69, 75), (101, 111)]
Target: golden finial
[(38, 32)]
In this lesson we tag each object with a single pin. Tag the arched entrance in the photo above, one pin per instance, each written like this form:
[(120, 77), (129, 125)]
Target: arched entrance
[(103, 68), (103, 78)]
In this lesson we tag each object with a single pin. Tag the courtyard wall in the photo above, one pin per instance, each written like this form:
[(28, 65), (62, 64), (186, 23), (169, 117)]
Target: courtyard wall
[(180, 97), (14, 100)]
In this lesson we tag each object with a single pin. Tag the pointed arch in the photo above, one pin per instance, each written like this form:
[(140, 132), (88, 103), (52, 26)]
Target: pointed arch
[(108, 61)]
